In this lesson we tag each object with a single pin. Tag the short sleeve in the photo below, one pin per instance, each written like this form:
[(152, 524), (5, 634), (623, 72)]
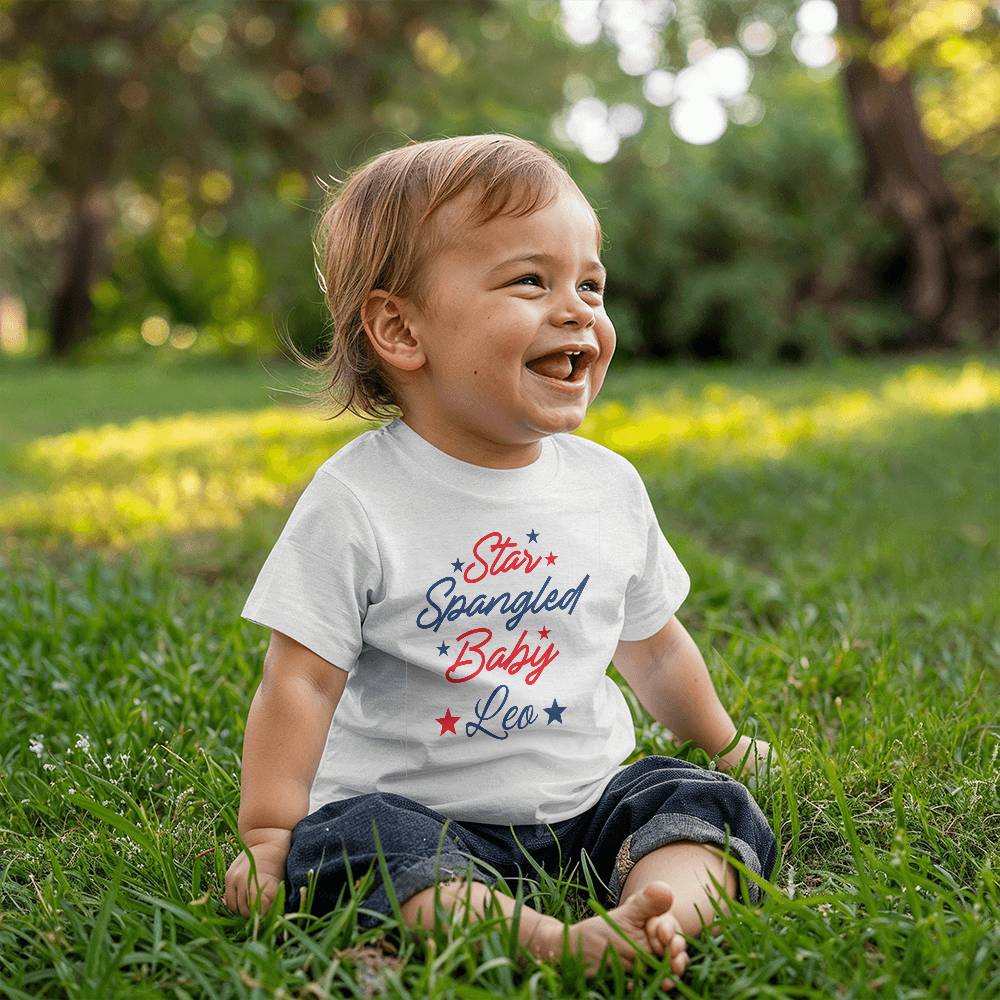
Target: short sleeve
[(660, 582), (321, 575)]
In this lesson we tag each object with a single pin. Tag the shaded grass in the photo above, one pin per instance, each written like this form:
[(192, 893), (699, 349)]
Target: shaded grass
[(844, 595)]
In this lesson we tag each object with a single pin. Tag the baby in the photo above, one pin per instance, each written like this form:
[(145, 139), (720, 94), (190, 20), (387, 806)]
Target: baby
[(451, 586)]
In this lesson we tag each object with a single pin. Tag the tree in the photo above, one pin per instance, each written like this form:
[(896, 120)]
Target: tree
[(119, 89), (954, 273), (210, 117)]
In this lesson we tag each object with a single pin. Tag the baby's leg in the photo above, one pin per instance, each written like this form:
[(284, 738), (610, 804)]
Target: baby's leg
[(534, 930), (684, 865), (543, 935)]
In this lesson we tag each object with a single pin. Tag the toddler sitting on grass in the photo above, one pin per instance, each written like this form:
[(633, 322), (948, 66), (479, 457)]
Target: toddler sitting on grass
[(451, 586)]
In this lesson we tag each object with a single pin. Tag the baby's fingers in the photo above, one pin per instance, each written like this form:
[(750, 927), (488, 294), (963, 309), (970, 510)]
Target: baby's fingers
[(256, 891), (267, 895), (241, 895), (231, 896)]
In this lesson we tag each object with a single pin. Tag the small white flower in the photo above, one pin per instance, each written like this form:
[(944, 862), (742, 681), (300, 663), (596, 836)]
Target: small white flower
[(49, 767), (36, 747), (825, 908), (70, 791), (790, 889), (83, 741)]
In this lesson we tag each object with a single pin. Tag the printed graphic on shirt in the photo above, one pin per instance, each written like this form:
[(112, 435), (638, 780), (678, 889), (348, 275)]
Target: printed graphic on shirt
[(521, 654)]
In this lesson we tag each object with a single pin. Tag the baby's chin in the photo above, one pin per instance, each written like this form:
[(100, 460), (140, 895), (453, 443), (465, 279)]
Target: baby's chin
[(556, 421)]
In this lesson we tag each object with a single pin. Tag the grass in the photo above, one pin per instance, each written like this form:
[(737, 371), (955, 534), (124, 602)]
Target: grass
[(841, 527)]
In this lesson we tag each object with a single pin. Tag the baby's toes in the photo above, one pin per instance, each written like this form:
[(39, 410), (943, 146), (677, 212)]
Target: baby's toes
[(665, 931), (678, 944), (679, 963), (657, 942)]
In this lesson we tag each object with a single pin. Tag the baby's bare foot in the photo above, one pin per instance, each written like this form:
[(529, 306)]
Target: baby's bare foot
[(643, 918)]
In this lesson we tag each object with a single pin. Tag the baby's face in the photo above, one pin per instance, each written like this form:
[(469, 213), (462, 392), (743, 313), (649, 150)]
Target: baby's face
[(493, 312)]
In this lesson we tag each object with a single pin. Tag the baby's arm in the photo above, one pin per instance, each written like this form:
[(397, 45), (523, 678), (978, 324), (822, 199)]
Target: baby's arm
[(286, 730), (670, 678)]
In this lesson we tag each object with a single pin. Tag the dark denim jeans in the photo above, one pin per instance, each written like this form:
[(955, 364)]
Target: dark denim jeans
[(652, 802)]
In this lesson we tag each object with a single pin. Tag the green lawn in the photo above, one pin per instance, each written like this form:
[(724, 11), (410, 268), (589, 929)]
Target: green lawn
[(842, 530)]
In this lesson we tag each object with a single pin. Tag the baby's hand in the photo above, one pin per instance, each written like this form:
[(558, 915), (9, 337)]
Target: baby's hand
[(756, 754), (269, 858)]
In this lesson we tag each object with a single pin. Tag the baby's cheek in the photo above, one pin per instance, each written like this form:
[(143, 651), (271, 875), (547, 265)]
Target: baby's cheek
[(597, 378), (607, 340), (606, 335)]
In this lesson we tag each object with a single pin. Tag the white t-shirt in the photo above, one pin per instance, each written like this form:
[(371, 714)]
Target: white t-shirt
[(476, 611)]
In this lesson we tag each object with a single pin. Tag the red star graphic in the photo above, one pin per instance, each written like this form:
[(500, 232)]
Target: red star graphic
[(448, 722), (550, 558), (543, 633)]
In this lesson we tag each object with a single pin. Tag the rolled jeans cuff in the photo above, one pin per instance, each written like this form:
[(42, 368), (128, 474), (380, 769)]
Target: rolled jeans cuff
[(666, 828)]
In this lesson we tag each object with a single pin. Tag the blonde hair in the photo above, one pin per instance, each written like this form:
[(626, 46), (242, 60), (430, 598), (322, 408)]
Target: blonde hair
[(376, 232)]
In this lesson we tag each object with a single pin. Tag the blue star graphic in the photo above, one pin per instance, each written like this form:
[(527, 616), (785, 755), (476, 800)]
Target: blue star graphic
[(442, 649), (532, 535), (555, 712), (457, 564)]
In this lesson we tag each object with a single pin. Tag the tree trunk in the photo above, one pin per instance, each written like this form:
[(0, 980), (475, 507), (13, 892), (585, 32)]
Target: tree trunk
[(954, 280), (83, 262)]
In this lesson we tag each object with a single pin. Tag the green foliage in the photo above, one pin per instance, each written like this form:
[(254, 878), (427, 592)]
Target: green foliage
[(755, 248), (208, 122)]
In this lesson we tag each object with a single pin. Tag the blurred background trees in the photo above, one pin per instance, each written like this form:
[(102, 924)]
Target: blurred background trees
[(775, 179)]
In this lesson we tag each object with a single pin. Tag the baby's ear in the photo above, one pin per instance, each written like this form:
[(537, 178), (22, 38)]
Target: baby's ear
[(378, 307), (385, 318)]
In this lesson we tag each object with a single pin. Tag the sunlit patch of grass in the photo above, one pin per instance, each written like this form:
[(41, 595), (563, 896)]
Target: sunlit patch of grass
[(726, 424), (117, 485), (210, 438)]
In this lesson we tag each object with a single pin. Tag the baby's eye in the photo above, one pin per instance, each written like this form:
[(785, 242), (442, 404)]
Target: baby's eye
[(598, 287)]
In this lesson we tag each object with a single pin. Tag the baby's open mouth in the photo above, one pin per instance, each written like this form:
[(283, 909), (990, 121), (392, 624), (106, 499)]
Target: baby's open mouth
[(565, 366)]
